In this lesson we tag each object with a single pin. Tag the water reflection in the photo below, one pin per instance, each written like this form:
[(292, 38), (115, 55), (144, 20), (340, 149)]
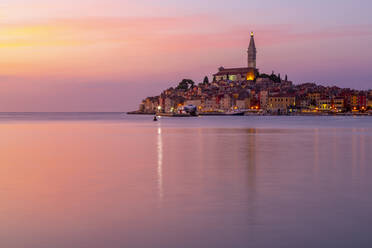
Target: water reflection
[(160, 162), (316, 151), (251, 157), (89, 185), (354, 153)]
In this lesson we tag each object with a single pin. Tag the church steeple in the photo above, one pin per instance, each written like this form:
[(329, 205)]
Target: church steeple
[(252, 52)]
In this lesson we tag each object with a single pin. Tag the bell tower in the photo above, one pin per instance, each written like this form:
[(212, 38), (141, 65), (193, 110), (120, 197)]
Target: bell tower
[(252, 52)]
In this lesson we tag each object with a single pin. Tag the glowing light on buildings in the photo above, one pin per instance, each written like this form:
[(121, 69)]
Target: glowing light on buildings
[(250, 76)]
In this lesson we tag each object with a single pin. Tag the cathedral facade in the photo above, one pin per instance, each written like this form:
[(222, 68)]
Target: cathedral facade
[(242, 73)]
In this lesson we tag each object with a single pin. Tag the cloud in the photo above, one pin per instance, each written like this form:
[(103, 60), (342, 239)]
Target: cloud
[(122, 47), (186, 32), (85, 31), (151, 52)]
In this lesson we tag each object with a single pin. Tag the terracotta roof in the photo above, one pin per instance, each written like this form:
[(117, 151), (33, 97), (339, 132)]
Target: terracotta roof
[(283, 95), (241, 70)]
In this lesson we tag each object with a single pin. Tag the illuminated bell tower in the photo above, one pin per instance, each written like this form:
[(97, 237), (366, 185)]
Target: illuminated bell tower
[(252, 52)]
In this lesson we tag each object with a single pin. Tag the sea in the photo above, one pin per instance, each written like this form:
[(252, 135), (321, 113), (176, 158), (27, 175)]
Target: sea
[(111, 180)]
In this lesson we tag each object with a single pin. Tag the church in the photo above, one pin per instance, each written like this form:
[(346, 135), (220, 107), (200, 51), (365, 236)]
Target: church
[(243, 73)]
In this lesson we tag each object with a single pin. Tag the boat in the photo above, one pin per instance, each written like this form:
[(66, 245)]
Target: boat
[(218, 113), (187, 111), (234, 113), (212, 113), (176, 115)]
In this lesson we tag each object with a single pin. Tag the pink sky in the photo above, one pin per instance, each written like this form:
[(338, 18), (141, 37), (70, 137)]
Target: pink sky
[(108, 55)]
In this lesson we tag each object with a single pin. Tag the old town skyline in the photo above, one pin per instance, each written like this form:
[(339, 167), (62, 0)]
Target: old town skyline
[(246, 90)]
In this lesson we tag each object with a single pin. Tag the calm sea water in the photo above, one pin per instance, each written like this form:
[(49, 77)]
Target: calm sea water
[(109, 180)]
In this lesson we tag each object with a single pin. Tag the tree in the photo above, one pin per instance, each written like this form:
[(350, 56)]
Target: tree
[(206, 80), (182, 86), (272, 77), (286, 78), (185, 84)]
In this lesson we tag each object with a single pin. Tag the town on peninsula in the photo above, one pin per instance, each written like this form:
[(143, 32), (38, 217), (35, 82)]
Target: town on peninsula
[(247, 91)]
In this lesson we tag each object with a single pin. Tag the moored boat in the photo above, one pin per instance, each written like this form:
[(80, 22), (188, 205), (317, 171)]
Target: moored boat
[(176, 115), (234, 113)]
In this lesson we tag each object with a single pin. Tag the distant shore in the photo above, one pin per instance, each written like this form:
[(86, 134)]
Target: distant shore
[(265, 114)]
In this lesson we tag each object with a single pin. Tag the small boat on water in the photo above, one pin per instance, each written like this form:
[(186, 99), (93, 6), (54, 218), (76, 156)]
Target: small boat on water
[(176, 115), (187, 111), (235, 113), (155, 119)]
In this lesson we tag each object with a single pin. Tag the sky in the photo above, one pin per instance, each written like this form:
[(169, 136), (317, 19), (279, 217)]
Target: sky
[(108, 55)]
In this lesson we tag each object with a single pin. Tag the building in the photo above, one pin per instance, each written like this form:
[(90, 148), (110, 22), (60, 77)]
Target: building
[(195, 102), (235, 74), (243, 73), (325, 104), (264, 98), (369, 104), (226, 102), (314, 97), (303, 103), (338, 103), (141, 107), (243, 103), (354, 102), (150, 105), (211, 105), (362, 101), (280, 104), (252, 53), (168, 105)]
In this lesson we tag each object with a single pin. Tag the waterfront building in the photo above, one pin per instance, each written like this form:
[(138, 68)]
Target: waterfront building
[(280, 103), (354, 101), (141, 107), (325, 104), (339, 103), (240, 104), (211, 104), (243, 73), (303, 103), (264, 97), (168, 105), (243, 103), (150, 104), (195, 102), (226, 102), (369, 103), (362, 101)]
